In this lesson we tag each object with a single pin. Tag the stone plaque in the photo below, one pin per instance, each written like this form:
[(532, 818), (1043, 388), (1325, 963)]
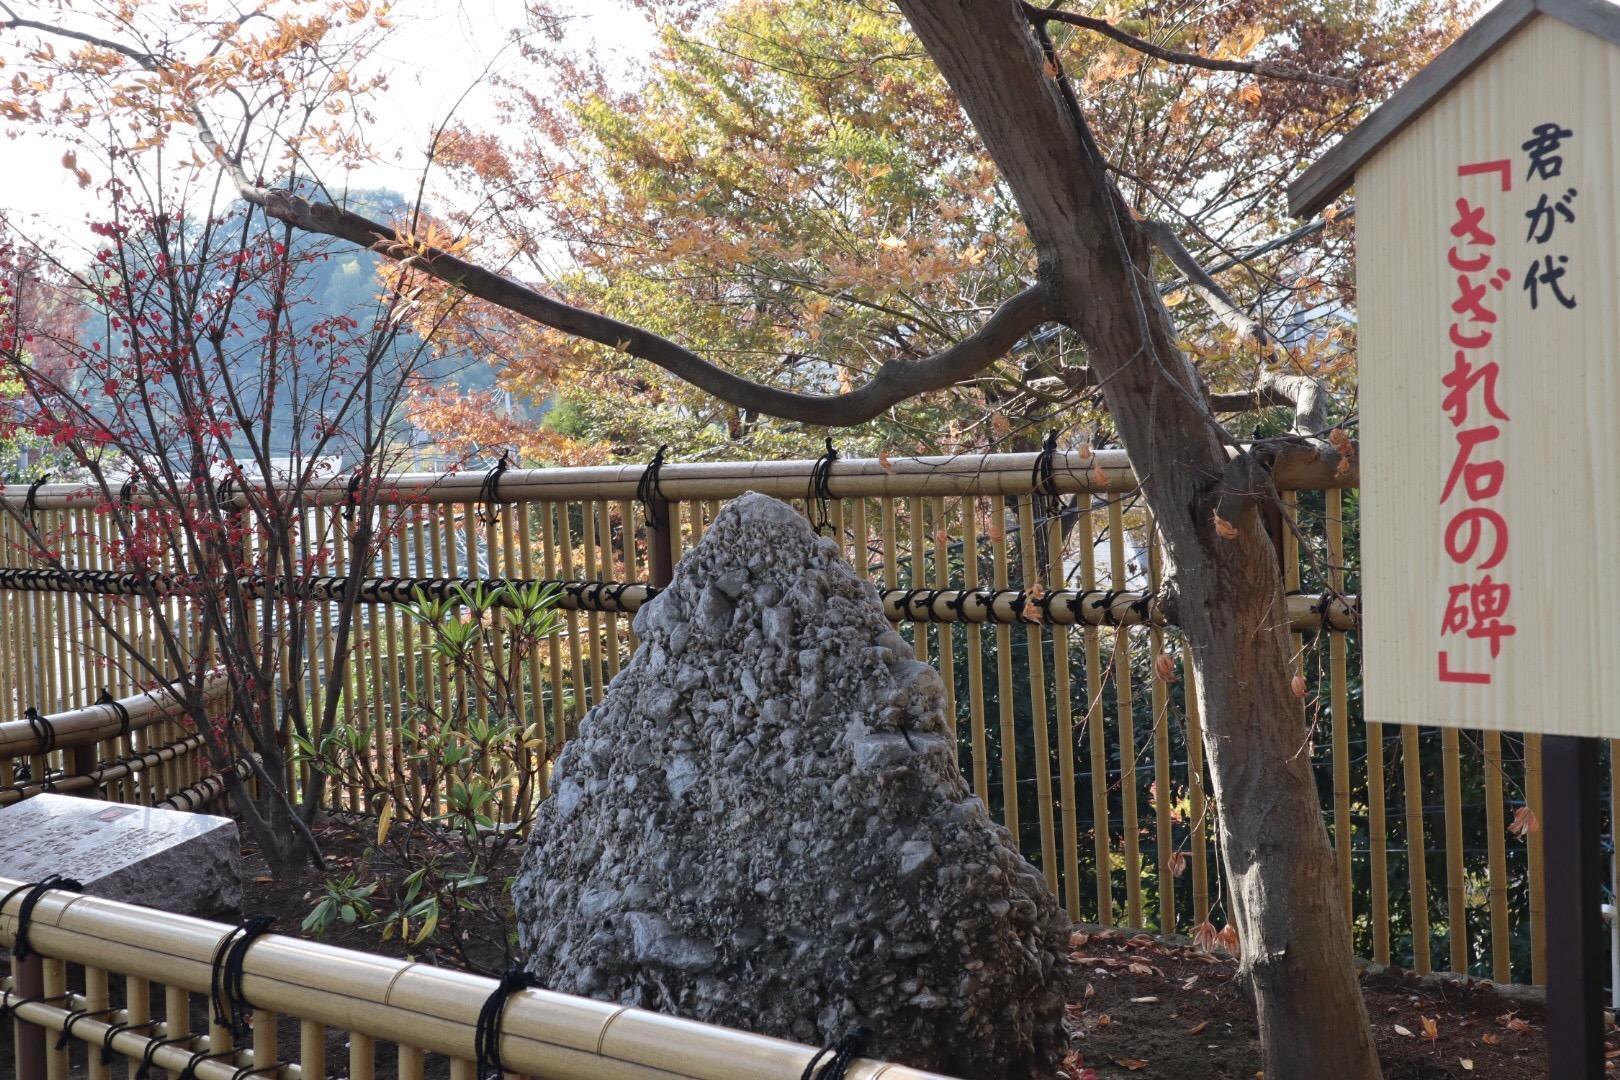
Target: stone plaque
[(166, 859)]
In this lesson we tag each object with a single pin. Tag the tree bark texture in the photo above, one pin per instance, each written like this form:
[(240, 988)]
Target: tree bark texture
[(1228, 598)]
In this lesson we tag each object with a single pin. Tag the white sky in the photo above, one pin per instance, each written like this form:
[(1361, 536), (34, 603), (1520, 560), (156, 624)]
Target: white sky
[(438, 50)]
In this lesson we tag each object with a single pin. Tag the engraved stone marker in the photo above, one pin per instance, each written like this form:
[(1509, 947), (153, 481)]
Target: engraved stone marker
[(166, 859)]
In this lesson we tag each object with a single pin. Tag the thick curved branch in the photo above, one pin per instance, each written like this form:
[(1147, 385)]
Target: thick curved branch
[(894, 382), (1265, 68)]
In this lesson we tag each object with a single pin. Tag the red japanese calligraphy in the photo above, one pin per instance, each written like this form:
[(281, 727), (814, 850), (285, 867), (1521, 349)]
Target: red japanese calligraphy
[(1476, 536)]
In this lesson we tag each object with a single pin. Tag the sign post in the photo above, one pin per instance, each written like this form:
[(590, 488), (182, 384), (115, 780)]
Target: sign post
[(1575, 934), (1488, 323)]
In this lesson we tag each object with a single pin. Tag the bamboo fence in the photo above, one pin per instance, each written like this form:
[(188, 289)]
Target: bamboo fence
[(111, 961), (1069, 690)]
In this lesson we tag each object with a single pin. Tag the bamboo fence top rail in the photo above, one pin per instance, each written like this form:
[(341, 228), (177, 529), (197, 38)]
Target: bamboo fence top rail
[(1102, 471), (96, 723), (432, 1008)]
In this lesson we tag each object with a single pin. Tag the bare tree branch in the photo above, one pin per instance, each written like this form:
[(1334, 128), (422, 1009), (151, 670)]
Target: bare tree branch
[(1272, 390), (1264, 68), (1199, 280), (894, 382)]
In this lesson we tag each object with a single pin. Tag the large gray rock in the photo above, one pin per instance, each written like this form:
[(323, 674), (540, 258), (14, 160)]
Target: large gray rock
[(763, 825), (166, 859)]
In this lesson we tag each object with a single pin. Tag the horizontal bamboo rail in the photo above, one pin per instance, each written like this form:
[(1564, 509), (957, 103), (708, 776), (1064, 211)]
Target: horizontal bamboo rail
[(418, 1006), (97, 723), (207, 789), (99, 778), (1062, 607), (1100, 471)]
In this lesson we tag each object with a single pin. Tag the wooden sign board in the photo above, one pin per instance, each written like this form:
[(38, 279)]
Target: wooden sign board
[(1488, 279)]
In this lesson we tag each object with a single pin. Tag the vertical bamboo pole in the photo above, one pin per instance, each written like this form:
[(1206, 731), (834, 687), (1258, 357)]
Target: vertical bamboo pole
[(606, 571), (411, 1063), (362, 1056), (1037, 696), (509, 663), (535, 714), (1456, 885), (138, 1010), (1164, 795), (56, 1061), (415, 691), (548, 551), (1538, 861), (1378, 841), (1339, 704), (1197, 800), (96, 999), (351, 692), (1004, 677), (176, 1012), (264, 1038), (858, 556), (593, 620), (945, 639), (1127, 724), (1096, 730), (1416, 855), (975, 656), (631, 571), (1063, 698), (28, 1039), (393, 554), (919, 572), (1496, 856), (576, 668), (311, 1050)]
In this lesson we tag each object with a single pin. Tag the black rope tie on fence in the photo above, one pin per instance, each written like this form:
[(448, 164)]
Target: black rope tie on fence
[(31, 500), (10, 1002), (821, 487), (1048, 502), (152, 1047), (1143, 606), (258, 1070), (188, 1071), (616, 591), (126, 491), (74, 1017), (231, 1007), (909, 597), (118, 707), (487, 1035), (115, 1030), (489, 493), (1107, 605), (45, 732), (223, 493), (648, 492), (31, 895), (838, 1056)]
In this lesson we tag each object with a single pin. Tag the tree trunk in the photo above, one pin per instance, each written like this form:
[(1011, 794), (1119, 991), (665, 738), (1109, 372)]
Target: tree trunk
[(1228, 599)]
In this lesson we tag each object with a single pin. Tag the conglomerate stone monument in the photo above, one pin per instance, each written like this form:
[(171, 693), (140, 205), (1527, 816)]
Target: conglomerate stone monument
[(762, 825)]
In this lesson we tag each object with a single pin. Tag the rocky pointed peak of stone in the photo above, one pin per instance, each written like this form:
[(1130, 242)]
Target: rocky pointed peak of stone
[(762, 824)]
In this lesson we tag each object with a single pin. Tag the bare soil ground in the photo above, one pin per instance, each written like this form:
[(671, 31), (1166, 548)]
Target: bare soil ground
[(1143, 1007)]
